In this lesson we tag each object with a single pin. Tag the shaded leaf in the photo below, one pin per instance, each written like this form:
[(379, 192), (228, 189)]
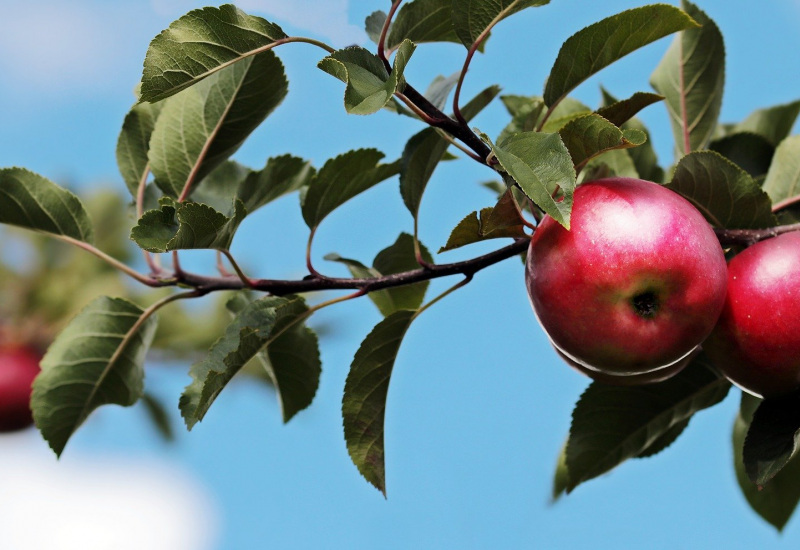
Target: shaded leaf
[(342, 178), (423, 21), (255, 326), (561, 475), (783, 177), (599, 45), (426, 149), (644, 157), (373, 25), (772, 123), (200, 43), (472, 17), (691, 77), (616, 162), (620, 112), (98, 359), (540, 164), (525, 111), (158, 416), (134, 142), (611, 424), (291, 361), (751, 152), (502, 220), (667, 438), (726, 195), (365, 392), (439, 90), (776, 501), (591, 135), (201, 127), (772, 439), (187, 225), (34, 202), (369, 85)]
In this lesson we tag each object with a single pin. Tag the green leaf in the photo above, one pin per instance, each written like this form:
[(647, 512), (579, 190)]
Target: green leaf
[(365, 392), (134, 142), (565, 112), (665, 440), (423, 21), (620, 112), (783, 177), (751, 152), (772, 439), (200, 43), (341, 179), (773, 123), (616, 162), (691, 75), (525, 111), (472, 17), (373, 25), (561, 476), (201, 127), (502, 220), (644, 157), (540, 164), (255, 326), (397, 258), (34, 202), (591, 135), (601, 44), (98, 359), (776, 501), (439, 90), (158, 416), (369, 85), (726, 195), (291, 361), (187, 225), (611, 424), (426, 149)]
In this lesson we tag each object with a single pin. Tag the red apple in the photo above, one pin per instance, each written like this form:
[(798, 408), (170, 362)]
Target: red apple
[(18, 367), (635, 285), (756, 343)]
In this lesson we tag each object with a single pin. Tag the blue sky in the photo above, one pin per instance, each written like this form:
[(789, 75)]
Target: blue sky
[(479, 404)]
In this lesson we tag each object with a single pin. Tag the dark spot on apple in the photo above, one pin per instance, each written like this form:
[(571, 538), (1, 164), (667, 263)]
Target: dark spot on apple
[(645, 304)]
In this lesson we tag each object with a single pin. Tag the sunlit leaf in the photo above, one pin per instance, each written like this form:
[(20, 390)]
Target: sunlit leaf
[(202, 126), (200, 43), (34, 202), (691, 77), (601, 44), (620, 112), (725, 194), (591, 135), (98, 359), (423, 21), (783, 177), (365, 392)]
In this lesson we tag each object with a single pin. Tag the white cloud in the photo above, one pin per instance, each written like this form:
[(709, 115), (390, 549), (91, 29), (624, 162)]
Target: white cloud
[(98, 503), (326, 18)]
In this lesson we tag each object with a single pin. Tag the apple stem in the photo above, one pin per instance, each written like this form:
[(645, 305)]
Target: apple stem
[(747, 237)]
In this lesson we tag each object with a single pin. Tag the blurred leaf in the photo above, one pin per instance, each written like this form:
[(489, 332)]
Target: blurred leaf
[(561, 476), (773, 123), (750, 152), (373, 25), (691, 75), (255, 326), (620, 112), (423, 21), (502, 220), (525, 114), (601, 44), (616, 162), (201, 127), (565, 112), (426, 149), (783, 177), (611, 424), (439, 90), (134, 142), (472, 17), (158, 416), (365, 392), (776, 501), (644, 157), (369, 85), (591, 135), (34, 202), (200, 43), (541, 164), (725, 194), (341, 179), (772, 439), (98, 359), (187, 225), (291, 361)]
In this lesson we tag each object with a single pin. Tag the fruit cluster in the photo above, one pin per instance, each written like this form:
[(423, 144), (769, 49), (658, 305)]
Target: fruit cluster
[(639, 282)]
